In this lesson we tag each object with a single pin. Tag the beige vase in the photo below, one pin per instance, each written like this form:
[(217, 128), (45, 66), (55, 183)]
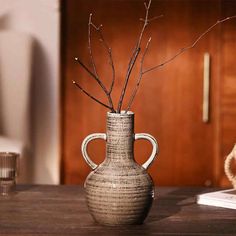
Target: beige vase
[(119, 191)]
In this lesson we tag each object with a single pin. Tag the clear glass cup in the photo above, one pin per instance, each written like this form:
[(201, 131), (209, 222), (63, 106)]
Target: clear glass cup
[(8, 172)]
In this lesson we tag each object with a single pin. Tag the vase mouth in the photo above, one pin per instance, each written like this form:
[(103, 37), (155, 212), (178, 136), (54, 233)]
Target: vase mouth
[(122, 113)]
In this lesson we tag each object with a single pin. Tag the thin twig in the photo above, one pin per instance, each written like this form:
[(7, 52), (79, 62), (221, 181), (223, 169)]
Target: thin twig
[(134, 56), (135, 90), (132, 63), (182, 50), (98, 81), (89, 95), (146, 21), (152, 19), (90, 47), (94, 74), (88, 71), (109, 51)]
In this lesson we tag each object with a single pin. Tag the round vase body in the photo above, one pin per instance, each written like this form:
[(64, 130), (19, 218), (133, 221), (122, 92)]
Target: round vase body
[(119, 191)]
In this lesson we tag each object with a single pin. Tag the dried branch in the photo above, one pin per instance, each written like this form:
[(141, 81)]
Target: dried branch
[(98, 81), (134, 55), (135, 90), (90, 47), (132, 63), (109, 51), (94, 74), (182, 50), (142, 72), (89, 95), (146, 21), (88, 70), (151, 19), (136, 51)]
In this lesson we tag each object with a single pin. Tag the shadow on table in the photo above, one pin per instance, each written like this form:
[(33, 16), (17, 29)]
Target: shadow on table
[(171, 202)]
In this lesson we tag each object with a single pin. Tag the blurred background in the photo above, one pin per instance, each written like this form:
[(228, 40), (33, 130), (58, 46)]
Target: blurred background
[(45, 117), (29, 86)]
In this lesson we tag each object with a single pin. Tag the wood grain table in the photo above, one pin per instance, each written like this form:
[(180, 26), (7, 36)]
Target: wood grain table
[(61, 210)]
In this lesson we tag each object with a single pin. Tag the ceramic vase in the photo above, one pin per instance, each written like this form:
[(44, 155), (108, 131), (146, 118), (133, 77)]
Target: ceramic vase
[(228, 165), (119, 191)]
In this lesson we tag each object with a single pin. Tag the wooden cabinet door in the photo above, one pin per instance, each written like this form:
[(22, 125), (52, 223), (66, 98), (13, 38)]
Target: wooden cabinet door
[(169, 102)]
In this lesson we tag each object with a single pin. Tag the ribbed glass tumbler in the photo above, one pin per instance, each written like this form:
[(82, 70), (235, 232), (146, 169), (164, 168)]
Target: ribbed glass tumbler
[(8, 171)]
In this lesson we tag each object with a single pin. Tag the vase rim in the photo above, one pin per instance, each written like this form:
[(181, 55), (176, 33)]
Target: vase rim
[(122, 113)]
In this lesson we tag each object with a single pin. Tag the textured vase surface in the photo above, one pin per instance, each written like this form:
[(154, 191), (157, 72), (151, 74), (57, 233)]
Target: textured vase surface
[(119, 191)]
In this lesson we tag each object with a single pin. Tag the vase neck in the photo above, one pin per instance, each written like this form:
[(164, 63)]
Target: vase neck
[(120, 136)]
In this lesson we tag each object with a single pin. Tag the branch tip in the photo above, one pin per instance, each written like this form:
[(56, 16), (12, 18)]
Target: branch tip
[(182, 50), (145, 4)]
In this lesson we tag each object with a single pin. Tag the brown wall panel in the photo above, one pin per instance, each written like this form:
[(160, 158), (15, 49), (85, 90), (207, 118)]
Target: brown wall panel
[(169, 102)]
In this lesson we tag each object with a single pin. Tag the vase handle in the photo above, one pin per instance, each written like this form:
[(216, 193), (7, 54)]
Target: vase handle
[(227, 166), (155, 148), (84, 147)]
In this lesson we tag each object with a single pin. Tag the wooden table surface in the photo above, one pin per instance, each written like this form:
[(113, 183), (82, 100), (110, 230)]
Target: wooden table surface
[(62, 210)]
